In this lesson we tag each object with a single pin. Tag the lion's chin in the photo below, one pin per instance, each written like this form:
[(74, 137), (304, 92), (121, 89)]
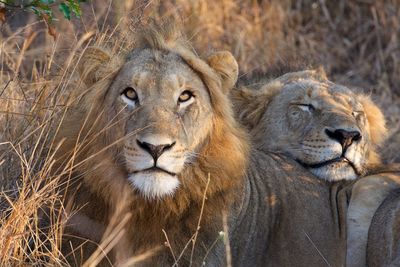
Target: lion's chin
[(153, 185), (335, 172)]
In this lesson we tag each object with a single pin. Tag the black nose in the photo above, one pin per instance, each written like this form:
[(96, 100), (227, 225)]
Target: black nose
[(344, 137), (154, 150)]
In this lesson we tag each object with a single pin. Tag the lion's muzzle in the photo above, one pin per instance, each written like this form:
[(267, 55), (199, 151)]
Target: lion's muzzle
[(154, 162), (344, 137), (154, 150)]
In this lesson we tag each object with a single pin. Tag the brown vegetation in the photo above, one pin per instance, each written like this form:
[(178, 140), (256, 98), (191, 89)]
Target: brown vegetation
[(357, 41)]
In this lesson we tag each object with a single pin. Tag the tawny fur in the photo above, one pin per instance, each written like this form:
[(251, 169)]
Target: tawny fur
[(253, 103), (94, 123), (384, 235), (279, 213), (273, 100), (367, 195)]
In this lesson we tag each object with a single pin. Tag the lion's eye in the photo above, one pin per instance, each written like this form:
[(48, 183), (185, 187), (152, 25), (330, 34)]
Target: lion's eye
[(306, 107), (185, 98), (130, 93), (130, 97), (357, 114)]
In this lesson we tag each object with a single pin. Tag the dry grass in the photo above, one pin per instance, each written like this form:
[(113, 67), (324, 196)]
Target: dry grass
[(357, 41)]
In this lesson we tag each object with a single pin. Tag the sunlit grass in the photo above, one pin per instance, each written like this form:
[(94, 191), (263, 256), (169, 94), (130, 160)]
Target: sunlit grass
[(358, 43)]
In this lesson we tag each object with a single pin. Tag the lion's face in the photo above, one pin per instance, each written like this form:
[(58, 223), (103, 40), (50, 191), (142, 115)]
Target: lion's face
[(325, 127), (168, 116)]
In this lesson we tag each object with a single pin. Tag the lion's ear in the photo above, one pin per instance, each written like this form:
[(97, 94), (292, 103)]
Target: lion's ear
[(251, 104), (224, 63), (376, 121), (320, 73), (91, 61)]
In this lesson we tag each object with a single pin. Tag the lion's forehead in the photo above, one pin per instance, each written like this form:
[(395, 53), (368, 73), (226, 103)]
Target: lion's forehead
[(159, 67), (159, 76), (323, 95)]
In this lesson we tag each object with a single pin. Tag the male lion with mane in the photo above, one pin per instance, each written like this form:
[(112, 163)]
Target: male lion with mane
[(332, 132), (155, 131)]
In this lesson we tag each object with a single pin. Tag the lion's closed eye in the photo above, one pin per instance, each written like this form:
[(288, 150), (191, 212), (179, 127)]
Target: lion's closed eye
[(358, 114), (305, 107)]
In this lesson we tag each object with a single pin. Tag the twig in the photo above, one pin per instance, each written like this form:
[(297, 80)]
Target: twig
[(200, 217), (136, 259), (226, 239), (5, 87), (319, 252), (209, 249), (15, 113), (192, 238), (169, 245)]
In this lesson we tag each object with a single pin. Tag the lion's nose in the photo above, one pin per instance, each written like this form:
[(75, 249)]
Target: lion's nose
[(344, 137), (155, 150)]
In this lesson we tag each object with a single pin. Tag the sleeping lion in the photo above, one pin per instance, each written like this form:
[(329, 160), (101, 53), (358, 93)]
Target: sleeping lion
[(153, 135), (331, 131), (328, 129)]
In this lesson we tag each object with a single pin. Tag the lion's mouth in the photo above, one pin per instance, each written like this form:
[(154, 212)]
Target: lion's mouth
[(330, 162), (156, 169)]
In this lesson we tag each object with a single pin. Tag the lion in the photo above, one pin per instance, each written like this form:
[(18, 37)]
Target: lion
[(332, 132), (155, 125), (153, 134), (384, 233)]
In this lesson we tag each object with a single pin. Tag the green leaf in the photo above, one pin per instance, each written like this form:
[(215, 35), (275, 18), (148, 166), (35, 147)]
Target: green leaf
[(74, 6), (64, 8), (47, 2), (36, 10), (44, 8), (43, 12), (9, 2), (49, 13)]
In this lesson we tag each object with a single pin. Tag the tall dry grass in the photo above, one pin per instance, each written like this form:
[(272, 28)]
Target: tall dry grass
[(33, 102), (358, 42)]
